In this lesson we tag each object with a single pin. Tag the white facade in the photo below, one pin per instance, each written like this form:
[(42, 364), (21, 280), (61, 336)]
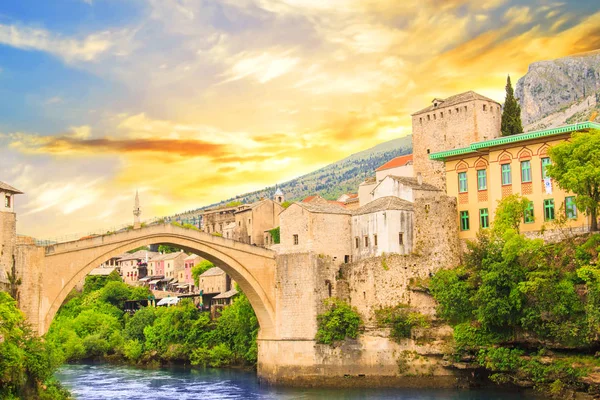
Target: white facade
[(383, 226), (364, 191), (390, 186)]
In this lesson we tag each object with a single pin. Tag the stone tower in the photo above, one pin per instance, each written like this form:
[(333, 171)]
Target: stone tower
[(278, 197), (448, 124), (8, 231), (137, 212)]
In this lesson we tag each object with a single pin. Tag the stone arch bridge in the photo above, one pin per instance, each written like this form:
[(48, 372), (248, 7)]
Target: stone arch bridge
[(285, 290), (64, 265)]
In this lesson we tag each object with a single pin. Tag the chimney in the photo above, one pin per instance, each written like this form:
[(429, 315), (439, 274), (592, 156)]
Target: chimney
[(419, 178)]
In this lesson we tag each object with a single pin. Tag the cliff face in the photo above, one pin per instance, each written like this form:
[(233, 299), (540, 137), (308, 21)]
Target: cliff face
[(561, 91)]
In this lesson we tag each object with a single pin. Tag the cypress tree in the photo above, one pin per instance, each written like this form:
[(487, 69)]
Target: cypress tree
[(511, 114)]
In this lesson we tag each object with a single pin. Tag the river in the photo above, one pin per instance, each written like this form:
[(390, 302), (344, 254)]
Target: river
[(103, 381)]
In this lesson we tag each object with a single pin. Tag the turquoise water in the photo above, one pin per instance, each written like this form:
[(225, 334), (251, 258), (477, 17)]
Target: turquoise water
[(102, 381)]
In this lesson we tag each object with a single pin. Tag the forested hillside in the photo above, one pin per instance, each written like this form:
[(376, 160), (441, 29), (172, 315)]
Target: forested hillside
[(331, 181)]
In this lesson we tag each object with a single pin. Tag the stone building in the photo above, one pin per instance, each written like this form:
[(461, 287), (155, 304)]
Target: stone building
[(213, 282), (173, 262), (382, 226), (8, 231), (399, 166), (215, 220), (253, 220), (403, 187), (451, 123), (155, 266), (480, 174), (134, 266), (317, 228)]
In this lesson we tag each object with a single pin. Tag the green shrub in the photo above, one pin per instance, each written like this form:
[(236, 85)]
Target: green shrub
[(339, 322), (400, 320)]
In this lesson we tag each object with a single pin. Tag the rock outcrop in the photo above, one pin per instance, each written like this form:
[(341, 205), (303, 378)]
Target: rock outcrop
[(561, 91)]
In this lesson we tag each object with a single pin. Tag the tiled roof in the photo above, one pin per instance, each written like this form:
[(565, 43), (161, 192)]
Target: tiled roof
[(139, 255), (158, 257), (171, 256), (369, 181), (226, 295), (192, 257), (327, 208), (413, 183), (479, 146), (7, 188), (351, 200), (383, 204), (396, 162), (309, 199), (456, 99), (213, 272)]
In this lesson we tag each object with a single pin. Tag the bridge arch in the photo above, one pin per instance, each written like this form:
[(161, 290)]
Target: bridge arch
[(253, 268)]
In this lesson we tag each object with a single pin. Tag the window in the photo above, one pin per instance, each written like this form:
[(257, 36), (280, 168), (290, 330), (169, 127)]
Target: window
[(7, 201), (462, 182), (295, 239), (249, 221), (401, 238), (250, 240), (525, 171), (366, 241), (346, 259), (457, 110), (356, 242), (464, 220), (434, 116), (465, 108), (374, 240), (545, 162), (421, 120), (484, 107), (428, 117), (549, 209), (484, 219), (570, 207), (528, 216), (506, 177), (442, 114), (481, 179)]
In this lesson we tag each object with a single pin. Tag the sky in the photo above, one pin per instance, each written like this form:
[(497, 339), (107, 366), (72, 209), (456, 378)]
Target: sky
[(194, 101)]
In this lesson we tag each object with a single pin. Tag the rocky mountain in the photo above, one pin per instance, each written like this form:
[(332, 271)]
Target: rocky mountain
[(561, 91), (331, 181)]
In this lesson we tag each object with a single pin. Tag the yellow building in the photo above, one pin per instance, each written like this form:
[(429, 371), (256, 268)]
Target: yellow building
[(480, 175)]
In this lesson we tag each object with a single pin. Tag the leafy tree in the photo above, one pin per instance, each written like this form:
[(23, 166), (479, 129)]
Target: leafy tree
[(167, 248), (510, 212), (511, 114), (286, 204), (97, 282), (199, 269), (576, 168), (339, 322), (26, 362)]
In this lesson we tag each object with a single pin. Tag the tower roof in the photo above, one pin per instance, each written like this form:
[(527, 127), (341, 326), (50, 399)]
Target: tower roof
[(5, 187), (278, 192), (453, 100)]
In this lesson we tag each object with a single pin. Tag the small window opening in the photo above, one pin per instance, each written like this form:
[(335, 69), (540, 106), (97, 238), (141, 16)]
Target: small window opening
[(366, 241), (484, 107), (374, 240), (295, 239), (401, 238)]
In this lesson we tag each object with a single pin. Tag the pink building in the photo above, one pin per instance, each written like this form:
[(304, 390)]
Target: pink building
[(189, 263)]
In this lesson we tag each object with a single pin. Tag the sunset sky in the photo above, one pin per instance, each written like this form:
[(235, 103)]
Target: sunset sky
[(192, 101)]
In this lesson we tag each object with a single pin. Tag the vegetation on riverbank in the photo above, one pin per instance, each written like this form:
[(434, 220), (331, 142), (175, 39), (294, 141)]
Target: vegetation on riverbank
[(92, 325), (27, 363), (526, 311)]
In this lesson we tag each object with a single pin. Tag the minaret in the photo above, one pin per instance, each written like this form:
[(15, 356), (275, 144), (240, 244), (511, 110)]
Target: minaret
[(8, 233), (278, 197), (137, 212)]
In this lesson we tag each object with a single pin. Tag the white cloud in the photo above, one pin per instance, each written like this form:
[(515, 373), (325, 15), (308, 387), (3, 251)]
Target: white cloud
[(263, 66), (26, 38)]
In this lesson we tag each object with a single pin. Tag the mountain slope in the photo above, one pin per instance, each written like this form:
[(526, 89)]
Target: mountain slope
[(331, 181), (561, 91)]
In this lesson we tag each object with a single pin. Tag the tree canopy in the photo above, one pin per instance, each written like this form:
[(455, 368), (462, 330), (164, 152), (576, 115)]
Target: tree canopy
[(511, 114), (576, 168)]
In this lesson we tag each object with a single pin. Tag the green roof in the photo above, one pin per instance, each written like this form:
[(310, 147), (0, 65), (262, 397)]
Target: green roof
[(473, 147)]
